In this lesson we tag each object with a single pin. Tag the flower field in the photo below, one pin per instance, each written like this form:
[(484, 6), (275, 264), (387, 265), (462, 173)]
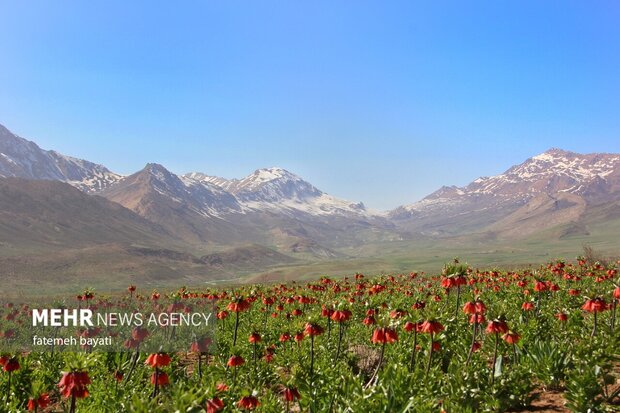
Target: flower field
[(461, 340)]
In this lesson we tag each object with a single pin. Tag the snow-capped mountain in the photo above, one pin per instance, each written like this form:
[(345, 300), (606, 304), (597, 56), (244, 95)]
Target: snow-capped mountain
[(276, 189), (186, 208), (24, 159), (554, 186)]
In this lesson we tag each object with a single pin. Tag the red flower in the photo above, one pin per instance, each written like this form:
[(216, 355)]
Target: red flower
[(527, 306), (162, 378), (239, 305), (540, 286), (561, 316), (285, 337), (235, 361), (431, 326), (118, 375), (369, 320), (131, 288), (436, 346), (73, 384), (448, 282), (497, 327), (254, 338), (299, 337), (157, 360), (201, 345), (398, 313), (477, 318), (384, 335), (248, 403), (214, 405), (470, 308), (617, 293), (222, 315), (40, 402), (221, 387), (291, 394), (476, 346), (313, 329), (341, 316), (11, 365), (595, 305), (511, 337), (139, 334)]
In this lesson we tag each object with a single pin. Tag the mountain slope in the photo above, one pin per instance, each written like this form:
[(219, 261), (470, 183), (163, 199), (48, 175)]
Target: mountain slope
[(49, 215), (24, 159), (189, 209), (553, 188), (278, 190)]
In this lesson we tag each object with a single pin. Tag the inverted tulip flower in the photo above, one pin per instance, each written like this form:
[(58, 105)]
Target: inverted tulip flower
[(73, 385), (431, 327), (496, 327), (595, 306), (382, 335)]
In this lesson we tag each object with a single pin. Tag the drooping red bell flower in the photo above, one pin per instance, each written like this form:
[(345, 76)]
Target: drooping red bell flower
[(561, 316), (369, 320), (477, 318), (157, 360), (11, 365), (235, 361), (511, 337), (214, 405), (340, 316), (139, 334), (398, 313), (291, 394), (431, 326), (469, 307), (73, 384), (497, 327), (40, 402), (540, 286), (118, 375), (254, 338), (239, 305), (595, 305), (201, 345), (222, 314), (384, 335), (160, 378), (285, 337), (617, 293), (527, 306), (313, 329), (248, 403)]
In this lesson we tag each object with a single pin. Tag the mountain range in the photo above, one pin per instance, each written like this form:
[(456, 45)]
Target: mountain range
[(53, 203)]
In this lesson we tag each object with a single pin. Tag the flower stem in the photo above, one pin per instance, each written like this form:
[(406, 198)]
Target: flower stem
[(473, 340), (236, 328), (430, 356), (494, 359), (413, 350)]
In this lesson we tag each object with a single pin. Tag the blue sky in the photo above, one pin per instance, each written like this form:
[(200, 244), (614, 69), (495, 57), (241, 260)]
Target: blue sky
[(381, 102)]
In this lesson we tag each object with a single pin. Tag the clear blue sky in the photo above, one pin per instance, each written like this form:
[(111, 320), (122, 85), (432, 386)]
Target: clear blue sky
[(381, 102)]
